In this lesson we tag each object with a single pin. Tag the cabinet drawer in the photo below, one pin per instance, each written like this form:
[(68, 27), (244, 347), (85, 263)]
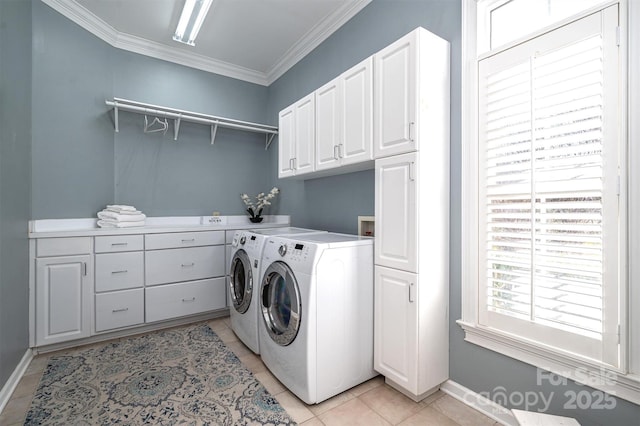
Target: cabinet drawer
[(119, 309), (63, 246), (183, 239), (176, 300), (174, 265), (115, 243), (119, 271)]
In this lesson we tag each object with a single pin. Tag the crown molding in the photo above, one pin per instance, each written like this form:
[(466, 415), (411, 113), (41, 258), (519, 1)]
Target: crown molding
[(87, 20), (157, 50), (314, 38), (90, 22)]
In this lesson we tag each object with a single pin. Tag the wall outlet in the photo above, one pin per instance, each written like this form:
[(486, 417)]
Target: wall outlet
[(214, 220)]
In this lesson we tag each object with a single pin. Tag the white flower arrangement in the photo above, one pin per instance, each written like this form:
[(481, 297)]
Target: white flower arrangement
[(262, 200)]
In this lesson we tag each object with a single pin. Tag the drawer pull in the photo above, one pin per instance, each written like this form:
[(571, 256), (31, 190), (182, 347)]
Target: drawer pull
[(193, 299), (188, 265), (190, 240), (119, 244), (120, 310), (124, 271)]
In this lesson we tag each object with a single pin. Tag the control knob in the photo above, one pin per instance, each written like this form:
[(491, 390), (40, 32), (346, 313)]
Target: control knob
[(282, 250), (243, 239)]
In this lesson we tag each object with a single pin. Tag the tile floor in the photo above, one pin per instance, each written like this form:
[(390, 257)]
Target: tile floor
[(371, 403)]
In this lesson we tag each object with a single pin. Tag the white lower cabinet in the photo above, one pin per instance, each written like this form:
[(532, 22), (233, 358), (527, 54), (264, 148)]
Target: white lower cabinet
[(176, 300), (119, 309), (64, 289), (411, 331), (87, 286), (395, 326)]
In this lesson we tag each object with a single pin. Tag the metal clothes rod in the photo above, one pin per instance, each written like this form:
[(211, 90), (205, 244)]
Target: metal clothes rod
[(195, 117)]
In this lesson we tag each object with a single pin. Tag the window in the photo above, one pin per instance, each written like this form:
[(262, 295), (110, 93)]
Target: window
[(509, 20), (548, 173), (545, 192)]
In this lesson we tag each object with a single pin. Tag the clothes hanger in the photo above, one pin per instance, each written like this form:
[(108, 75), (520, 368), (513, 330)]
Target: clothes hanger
[(163, 125)]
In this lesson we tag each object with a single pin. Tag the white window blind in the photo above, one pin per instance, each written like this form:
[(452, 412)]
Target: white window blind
[(548, 179)]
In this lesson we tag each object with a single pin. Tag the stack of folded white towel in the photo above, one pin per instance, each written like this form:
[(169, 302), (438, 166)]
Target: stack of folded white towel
[(119, 216)]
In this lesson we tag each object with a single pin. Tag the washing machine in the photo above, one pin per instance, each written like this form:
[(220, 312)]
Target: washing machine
[(316, 304), (244, 280)]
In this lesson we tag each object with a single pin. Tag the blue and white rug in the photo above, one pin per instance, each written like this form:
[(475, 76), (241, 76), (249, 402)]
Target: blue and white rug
[(182, 376)]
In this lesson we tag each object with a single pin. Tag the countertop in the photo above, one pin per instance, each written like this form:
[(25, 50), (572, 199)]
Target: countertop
[(86, 227)]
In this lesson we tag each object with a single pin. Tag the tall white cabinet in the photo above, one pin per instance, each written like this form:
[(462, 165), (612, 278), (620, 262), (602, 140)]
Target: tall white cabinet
[(411, 147)]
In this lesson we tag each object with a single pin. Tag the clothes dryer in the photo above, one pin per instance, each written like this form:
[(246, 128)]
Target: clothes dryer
[(316, 303), (244, 280)]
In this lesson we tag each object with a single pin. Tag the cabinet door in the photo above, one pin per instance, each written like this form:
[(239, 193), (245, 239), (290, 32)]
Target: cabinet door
[(357, 117), (63, 298), (328, 124), (305, 134), (396, 327), (395, 97), (395, 208), (285, 142)]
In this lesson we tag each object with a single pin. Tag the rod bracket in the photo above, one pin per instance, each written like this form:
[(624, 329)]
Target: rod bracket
[(214, 130), (176, 127), (269, 138)]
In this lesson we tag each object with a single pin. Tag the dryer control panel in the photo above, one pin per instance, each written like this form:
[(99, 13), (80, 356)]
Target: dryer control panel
[(245, 240)]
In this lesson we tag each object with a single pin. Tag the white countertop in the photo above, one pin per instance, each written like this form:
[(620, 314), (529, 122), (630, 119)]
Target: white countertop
[(86, 227)]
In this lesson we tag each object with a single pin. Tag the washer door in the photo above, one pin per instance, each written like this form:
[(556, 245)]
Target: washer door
[(241, 281), (281, 308)]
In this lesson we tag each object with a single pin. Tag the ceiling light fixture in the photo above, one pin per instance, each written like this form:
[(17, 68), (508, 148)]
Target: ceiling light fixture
[(191, 20)]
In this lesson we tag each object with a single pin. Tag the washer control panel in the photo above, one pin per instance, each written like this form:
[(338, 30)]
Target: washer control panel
[(296, 254)]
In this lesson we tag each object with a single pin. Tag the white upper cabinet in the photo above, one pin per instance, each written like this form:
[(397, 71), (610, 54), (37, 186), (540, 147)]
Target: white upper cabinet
[(285, 144), (329, 111), (297, 138), (411, 94), (344, 117)]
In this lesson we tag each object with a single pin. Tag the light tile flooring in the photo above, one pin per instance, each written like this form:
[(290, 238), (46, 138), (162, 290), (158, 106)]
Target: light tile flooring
[(371, 403)]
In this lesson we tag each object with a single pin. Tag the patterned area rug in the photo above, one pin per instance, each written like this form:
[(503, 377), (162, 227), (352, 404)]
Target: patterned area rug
[(183, 376)]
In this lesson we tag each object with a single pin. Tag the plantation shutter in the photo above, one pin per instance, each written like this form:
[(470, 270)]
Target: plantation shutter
[(548, 188)]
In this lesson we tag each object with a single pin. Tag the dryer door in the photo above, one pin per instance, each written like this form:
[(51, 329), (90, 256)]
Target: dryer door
[(241, 281), (281, 307)]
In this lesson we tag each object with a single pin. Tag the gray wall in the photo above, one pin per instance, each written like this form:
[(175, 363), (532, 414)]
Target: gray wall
[(80, 164), (15, 181), (332, 203)]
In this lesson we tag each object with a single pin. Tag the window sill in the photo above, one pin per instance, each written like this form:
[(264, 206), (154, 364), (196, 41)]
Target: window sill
[(609, 380)]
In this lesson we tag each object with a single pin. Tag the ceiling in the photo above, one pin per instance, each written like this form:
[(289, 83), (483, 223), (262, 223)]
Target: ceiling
[(252, 40)]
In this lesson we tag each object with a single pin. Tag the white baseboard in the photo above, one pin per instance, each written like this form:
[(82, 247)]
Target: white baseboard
[(478, 402), (14, 379)]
